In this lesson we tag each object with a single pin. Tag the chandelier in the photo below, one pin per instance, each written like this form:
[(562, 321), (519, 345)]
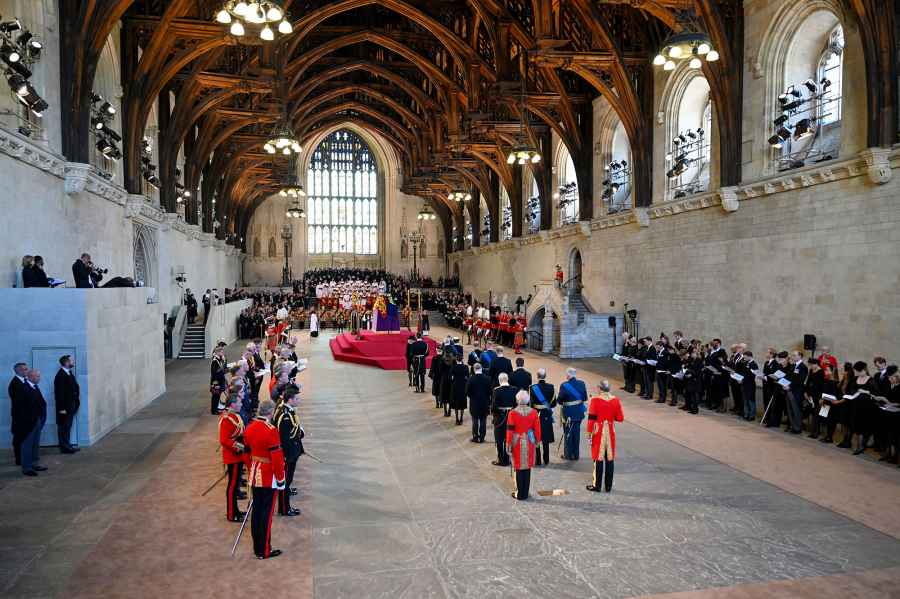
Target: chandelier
[(263, 15), (459, 196), (691, 45), (295, 210), (426, 214), (523, 153), (283, 141)]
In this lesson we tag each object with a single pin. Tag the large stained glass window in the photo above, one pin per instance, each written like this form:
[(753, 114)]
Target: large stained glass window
[(342, 206)]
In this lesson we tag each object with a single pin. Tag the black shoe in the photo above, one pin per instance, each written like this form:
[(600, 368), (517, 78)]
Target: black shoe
[(40, 468), (660, 401), (826, 440), (473, 440), (859, 450), (68, 450), (499, 463), (592, 489), (695, 411), (238, 516), (30, 473), (812, 436), (293, 491), (273, 553), (291, 512), (844, 445), (608, 489)]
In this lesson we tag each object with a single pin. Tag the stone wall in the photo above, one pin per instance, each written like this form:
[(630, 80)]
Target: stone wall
[(813, 251), (222, 324)]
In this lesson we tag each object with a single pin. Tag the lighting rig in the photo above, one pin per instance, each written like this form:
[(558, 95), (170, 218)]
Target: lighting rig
[(533, 214), (19, 51), (182, 194), (802, 109), (565, 195), (506, 223), (691, 146), (102, 113), (486, 227), (148, 169), (618, 174)]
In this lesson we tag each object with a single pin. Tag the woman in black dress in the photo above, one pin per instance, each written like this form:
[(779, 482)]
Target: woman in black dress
[(459, 377), (862, 409)]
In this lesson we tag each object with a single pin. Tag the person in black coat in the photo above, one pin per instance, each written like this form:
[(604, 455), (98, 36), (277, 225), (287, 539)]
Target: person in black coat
[(17, 391), (419, 353), (500, 364), (693, 381), (796, 374), (459, 377), (449, 358), (543, 400), (35, 275), (409, 358), (84, 273), (31, 414), (815, 386), (478, 390), (520, 378), (436, 374), (66, 395)]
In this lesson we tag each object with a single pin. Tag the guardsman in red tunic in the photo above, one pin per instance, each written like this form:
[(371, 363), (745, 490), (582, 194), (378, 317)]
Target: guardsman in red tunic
[(523, 434), (266, 476), (231, 438), (604, 411)]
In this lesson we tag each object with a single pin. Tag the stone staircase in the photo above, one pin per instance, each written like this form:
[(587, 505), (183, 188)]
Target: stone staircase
[(578, 307), (194, 345)]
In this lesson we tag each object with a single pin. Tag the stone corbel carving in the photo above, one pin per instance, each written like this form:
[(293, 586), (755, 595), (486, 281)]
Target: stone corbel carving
[(76, 174), (133, 204), (878, 164), (729, 197), (642, 216)]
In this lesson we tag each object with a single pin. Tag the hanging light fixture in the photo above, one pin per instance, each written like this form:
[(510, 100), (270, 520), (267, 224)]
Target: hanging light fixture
[(295, 210), (264, 17), (283, 141), (459, 196), (687, 45), (426, 214), (523, 153)]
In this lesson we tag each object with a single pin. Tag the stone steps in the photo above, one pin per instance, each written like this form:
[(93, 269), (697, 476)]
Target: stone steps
[(194, 346)]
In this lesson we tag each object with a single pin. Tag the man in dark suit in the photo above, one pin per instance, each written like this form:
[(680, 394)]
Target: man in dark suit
[(520, 378), (17, 391), (419, 352), (797, 376), (500, 364), (32, 415), (84, 273), (66, 394), (542, 400), (478, 390)]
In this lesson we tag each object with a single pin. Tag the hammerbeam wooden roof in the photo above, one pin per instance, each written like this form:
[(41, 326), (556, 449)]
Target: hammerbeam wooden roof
[(438, 79)]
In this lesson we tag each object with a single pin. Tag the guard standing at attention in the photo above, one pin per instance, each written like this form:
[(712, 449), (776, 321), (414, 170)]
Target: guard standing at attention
[(419, 352), (502, 401), (288, 422), (231, 438), (572, 397), (523, 433), (543, 400), (478, 390), (410, 341), (266, 477), (605, 410)]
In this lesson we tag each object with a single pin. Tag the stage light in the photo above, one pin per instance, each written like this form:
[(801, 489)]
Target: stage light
[(811, 86), (39, 107), (826, 82), (106, 130), (18, 84), (781, 120), (783, 133), (793, 105), (803, 129), (9, 54), (775, 141), (108, 108), (10, 26), (692, 135)]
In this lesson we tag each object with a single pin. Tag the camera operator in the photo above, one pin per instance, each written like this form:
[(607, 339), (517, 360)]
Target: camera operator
[(85, 273)]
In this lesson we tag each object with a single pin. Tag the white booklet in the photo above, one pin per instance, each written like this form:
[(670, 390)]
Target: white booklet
[(823, 411), (828, 397), (737, 377), (777, 375), (651, 362), (617, 357), (785, 383)]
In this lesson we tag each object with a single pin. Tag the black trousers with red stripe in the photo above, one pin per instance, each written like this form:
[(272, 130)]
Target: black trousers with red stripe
[(261, 520), (232, 489), (284, 496)]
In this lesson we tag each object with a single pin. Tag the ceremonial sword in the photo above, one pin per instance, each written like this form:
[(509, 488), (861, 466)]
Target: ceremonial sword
[(213, 486), (241, 531)]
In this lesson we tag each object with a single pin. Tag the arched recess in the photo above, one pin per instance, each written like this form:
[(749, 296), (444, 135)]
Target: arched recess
[(784, 45), (687, 104), (566, 190), (145, 255), (613, 145), (576, 265)]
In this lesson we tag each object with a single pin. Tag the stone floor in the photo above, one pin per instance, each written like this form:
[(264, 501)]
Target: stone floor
[(403, 505)]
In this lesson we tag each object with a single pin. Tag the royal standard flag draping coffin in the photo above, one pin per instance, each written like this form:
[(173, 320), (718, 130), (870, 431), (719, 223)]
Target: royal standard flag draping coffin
[(387, 315)]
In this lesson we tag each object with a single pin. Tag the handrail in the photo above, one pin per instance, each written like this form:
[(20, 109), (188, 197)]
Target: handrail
[(535, 339)]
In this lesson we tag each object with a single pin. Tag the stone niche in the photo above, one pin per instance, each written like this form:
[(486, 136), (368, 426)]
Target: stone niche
[(115, 336)]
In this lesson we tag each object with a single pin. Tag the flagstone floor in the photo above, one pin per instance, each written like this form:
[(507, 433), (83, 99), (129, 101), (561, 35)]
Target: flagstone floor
[(403, 506)]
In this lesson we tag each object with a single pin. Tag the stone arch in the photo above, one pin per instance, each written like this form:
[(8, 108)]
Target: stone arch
[(564, 171), (145, 255), (613, 144), (107, 83), (680, 103), (575, 263), (257, 247), (775, 51), (273, 248)]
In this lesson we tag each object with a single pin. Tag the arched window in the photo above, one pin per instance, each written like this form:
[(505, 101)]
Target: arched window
[(567, 194), (831, 69), (273, 249), (257, 248), (505, 215), (343, 196), (688, 154), (532, 214)]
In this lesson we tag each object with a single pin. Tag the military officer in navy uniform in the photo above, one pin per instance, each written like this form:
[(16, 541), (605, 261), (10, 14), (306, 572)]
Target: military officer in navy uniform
[(572, 398), (288, 422), (419, 352)]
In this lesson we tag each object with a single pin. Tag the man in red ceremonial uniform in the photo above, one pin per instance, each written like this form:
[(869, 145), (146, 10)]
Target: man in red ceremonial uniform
[(603, 412), (231, 437), (523, 434), (266, 476)]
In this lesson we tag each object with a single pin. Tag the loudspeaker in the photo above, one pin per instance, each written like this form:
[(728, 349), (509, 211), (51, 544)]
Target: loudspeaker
[(809, 342), (612, 322)]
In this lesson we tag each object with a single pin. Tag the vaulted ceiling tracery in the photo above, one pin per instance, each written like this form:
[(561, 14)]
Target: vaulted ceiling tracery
[(438, 79)]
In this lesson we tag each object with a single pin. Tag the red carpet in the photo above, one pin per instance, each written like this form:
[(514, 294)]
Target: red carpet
[(384, 350)]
